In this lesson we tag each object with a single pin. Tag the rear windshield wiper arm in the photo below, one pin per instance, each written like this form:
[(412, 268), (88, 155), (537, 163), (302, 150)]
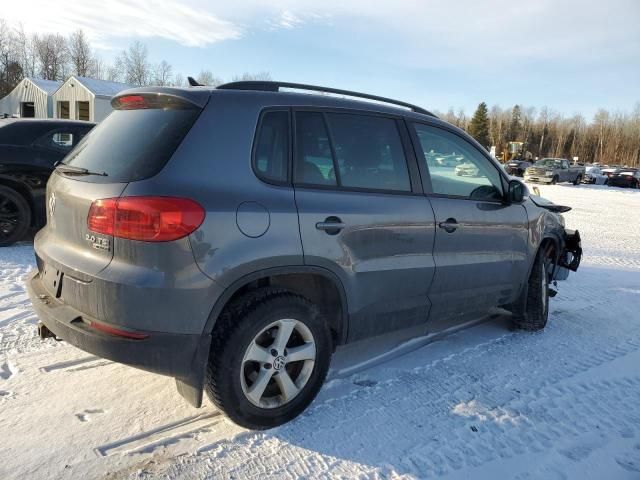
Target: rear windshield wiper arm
[(71, 170)]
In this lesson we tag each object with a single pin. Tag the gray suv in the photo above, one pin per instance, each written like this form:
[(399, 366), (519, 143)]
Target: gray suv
[(233, 237)]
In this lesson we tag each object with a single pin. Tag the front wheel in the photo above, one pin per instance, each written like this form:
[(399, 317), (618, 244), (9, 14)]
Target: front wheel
[(268, 359), (533, 310), (554, 180)]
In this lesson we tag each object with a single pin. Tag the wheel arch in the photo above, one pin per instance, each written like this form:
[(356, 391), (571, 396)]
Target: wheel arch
[(318, 284)]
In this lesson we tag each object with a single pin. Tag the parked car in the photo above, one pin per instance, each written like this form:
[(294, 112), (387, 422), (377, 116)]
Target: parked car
[(594, 175), (517, 167), (610, 171), (452, 160), (626, 177), (184, 237), (467, 169), (29, 149), (554, 170)]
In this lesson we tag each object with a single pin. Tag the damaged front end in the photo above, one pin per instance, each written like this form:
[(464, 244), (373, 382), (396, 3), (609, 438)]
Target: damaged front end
[(570, 255)]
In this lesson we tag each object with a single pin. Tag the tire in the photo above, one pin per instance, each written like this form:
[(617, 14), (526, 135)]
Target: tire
[(533, 312), (554, 180), (250, 328), (578, 180), (15, 216)]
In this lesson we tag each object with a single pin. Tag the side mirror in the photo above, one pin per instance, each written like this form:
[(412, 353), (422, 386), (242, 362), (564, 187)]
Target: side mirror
[(516, 192)]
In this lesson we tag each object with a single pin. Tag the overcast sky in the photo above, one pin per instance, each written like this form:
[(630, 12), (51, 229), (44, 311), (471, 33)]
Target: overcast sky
[(573, 56)]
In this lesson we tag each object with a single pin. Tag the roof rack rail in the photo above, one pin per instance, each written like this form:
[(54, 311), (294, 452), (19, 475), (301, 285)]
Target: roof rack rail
[(269, 86)]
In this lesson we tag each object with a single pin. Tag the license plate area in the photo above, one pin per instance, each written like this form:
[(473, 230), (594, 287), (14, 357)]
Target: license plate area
[(52, 280)]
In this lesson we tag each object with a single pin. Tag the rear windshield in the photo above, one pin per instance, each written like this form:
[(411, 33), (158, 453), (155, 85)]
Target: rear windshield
[(131, 145), (22, 133)]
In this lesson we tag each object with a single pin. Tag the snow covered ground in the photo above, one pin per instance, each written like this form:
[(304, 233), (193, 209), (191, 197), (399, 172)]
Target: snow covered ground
[(485, 402)]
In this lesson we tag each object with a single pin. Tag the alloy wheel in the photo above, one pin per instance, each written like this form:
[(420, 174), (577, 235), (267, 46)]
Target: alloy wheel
[(278, 363)]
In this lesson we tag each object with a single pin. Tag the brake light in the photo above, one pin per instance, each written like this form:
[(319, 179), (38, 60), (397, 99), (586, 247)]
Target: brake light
[(132, 102), (148, 219)]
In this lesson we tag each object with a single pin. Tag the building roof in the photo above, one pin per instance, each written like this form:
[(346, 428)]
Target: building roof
[(102, 88), (48, 86)]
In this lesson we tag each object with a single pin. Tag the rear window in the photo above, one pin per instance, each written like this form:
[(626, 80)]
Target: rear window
[(22, 133), (131, 145)]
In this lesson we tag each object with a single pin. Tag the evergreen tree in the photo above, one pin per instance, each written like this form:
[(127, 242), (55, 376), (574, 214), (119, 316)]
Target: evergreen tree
[(479, 125), (515, 126)]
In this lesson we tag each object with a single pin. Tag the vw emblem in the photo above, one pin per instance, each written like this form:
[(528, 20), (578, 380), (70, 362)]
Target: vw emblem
[(52, 204), (279, 363)]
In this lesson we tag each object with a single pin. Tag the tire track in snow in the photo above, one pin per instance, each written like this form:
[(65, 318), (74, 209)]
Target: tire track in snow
[(520, 415)]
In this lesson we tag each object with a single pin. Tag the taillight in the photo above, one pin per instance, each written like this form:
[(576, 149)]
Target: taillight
[(149, 219), (117, 331)]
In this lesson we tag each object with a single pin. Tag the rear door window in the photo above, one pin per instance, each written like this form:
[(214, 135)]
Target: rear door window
[(314, 164), (131, 145), (271, 152), (350, 151), (369, 152)]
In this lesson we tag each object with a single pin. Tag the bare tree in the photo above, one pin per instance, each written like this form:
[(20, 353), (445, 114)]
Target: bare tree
[(51, 49), (252, 76), (135, 64), (206, 77), (178, 80), (163, 74), (80, 53)]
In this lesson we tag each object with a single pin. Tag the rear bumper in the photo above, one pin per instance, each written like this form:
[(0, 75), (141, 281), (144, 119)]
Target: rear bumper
[(175, 355)]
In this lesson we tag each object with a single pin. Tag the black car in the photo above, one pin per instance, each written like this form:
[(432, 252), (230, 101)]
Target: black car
[(517, 167), (625, 177), (29, 150)]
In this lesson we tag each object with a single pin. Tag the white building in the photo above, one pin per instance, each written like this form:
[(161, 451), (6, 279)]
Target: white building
[(82, 98), (31, 98)]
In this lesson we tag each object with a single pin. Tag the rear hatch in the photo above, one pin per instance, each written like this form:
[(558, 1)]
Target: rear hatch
[(131, 144)]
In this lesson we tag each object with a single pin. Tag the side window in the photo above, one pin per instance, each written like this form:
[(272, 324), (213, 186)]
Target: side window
[(271, 152), (369, 152), (565, 165), (314, 162), (456, 167)]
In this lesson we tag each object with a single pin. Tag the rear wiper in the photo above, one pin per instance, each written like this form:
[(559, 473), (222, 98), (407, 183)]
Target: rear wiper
[(71, 170)]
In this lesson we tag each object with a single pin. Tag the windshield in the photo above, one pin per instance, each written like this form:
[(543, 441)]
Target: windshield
[(549, 162), (131, 145)]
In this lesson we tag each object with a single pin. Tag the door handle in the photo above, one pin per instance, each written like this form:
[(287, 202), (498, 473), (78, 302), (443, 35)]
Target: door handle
[(331, 225), (450, 225)]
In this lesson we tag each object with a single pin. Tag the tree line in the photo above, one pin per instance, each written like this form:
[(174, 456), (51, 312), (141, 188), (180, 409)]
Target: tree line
[(610, 138), (53, 56)]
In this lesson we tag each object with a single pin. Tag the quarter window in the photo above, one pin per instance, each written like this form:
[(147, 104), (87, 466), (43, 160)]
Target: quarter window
[(272, 146), (456, 167)]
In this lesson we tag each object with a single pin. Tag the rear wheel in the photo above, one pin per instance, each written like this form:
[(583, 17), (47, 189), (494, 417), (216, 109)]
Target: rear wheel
[(15, 216), (269, 357), (578, 180), (533, 311)]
